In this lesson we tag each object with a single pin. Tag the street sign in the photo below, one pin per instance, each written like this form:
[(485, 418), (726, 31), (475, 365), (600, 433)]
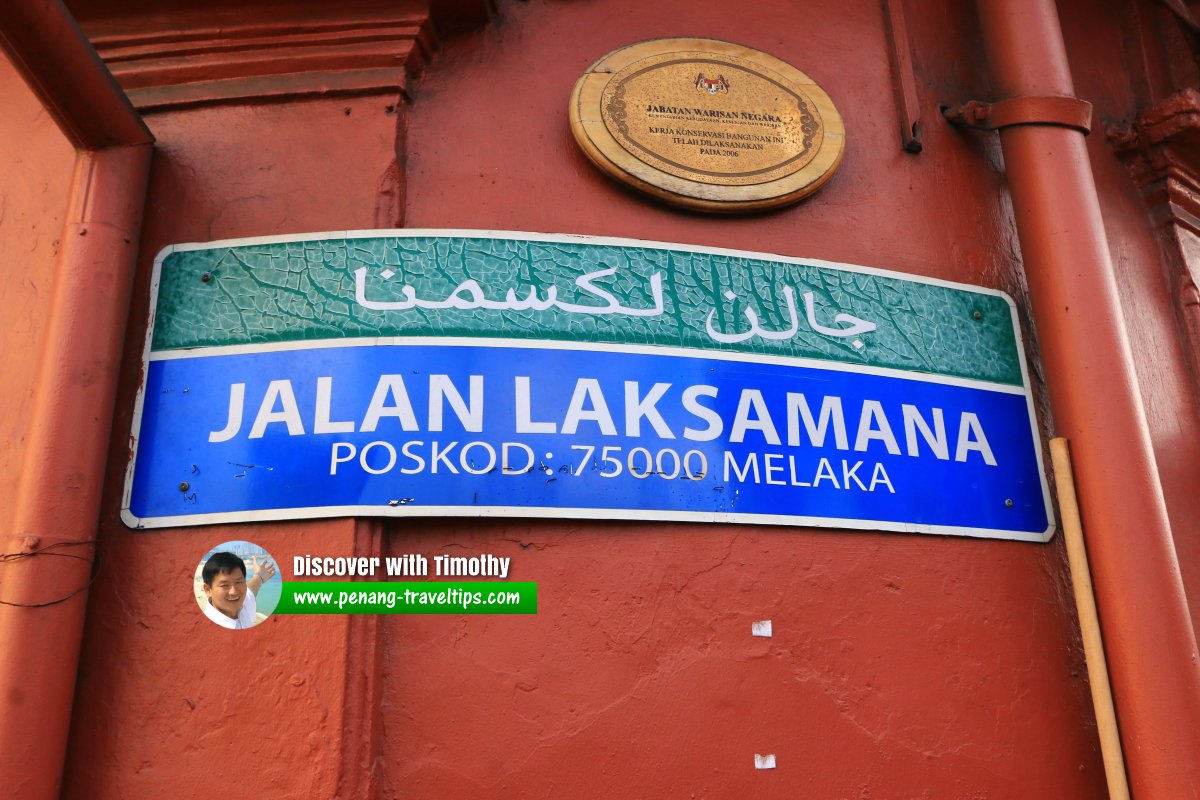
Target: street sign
[(431, 373)]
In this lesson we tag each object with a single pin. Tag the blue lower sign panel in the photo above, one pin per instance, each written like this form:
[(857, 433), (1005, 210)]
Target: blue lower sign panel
[(476, 427)]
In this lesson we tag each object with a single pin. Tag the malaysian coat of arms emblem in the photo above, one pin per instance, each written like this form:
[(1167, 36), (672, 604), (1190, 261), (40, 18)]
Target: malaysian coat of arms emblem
[(712, 85)]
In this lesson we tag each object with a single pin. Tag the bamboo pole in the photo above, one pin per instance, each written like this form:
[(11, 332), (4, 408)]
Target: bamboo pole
[(1089, 622)]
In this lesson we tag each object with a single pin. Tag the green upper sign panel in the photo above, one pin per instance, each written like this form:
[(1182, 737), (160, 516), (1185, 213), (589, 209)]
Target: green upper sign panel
[(533, 286)]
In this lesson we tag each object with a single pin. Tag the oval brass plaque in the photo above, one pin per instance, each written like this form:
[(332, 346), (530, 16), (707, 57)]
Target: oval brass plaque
[(707, 124)]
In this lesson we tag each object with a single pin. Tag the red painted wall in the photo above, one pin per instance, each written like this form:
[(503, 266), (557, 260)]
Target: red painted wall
[(35, 174), (901, 666)]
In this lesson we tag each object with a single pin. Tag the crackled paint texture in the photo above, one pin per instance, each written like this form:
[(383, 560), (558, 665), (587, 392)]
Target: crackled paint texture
[(260, 293), (900, 666)]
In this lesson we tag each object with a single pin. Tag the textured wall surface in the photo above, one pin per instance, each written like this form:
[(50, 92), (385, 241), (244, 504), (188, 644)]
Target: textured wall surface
[(899, 667), (35, 174), (183, 693)]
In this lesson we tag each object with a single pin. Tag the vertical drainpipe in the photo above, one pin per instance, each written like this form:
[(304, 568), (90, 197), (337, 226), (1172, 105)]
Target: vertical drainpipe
[(1148, 633), (66, 443)]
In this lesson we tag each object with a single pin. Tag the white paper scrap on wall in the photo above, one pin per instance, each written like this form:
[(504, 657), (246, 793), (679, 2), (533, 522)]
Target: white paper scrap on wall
[(764, 762), (760, 628)]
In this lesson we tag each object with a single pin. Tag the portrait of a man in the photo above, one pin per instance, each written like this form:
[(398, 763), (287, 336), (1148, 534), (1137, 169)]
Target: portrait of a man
[(231, 597)]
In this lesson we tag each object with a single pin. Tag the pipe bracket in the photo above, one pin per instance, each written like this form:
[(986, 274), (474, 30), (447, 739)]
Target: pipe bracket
[(1064, 112)]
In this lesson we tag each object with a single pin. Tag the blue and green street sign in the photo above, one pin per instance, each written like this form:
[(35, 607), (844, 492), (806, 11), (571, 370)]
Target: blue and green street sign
[(408, 373)]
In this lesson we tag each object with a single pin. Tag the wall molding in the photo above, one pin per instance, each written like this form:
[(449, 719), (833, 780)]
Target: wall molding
[(190, 60), (1162, 150)]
